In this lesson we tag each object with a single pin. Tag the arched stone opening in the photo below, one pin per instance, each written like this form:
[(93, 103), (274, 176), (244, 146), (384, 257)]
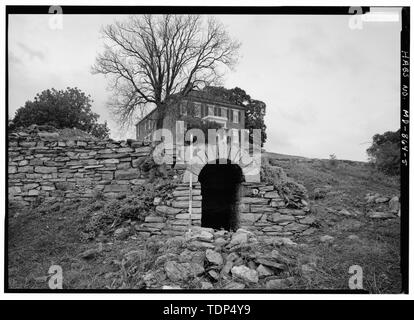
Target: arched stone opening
[(220, 190)]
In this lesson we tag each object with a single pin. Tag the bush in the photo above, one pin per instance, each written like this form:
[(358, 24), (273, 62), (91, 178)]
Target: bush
[(108, 215), (333, 161), (384, 152), (70, 108)]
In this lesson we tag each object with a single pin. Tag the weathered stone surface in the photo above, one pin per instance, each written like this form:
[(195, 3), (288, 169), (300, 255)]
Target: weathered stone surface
[(250, 217), (121, 233), (252, 200), (40, 169), (234, 286), (353, 237), (14, 190), (192, 256), (206, 285), (138, 181), (381, 200), (195, 245), (116, 188), (307, 220), (279, 218), (127, 174), (254, 208), (109, 161), (245, 273), (381, 215), (238, 238), (279, 283), (263, 271), (272, 229), (202, 234), (182, 271), (270, 263), (153, 225), (272, 195), (12, 169), (167, 210), (214, 257), (266, 188), (293, 212), (186, 216), (33, 192), (186, 193), (326, 238), (277, 203), (185, 204), (394, 204), (154, 219)]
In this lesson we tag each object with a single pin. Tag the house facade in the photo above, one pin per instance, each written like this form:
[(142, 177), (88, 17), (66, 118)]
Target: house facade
[(197, 105)]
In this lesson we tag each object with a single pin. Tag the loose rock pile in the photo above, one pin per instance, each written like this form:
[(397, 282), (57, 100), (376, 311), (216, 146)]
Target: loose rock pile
[(383, 207), (206, 259)]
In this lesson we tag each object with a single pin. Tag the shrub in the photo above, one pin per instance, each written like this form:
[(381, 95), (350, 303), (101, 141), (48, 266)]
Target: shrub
[(61, 109), (385, 152), (333, 161), (107, 215)]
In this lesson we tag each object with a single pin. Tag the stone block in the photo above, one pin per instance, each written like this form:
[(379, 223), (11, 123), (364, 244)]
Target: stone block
[(116, 188), (186, 193), (272, 195), (185, 204), (253, 200), (167, 210), (261, 208), (127, 174), (42, 169)]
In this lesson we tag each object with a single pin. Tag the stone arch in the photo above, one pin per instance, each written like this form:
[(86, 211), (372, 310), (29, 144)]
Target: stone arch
[(220, 190)]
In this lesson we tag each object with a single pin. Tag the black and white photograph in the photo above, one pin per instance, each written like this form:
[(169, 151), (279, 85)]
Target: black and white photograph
[(206, 150)]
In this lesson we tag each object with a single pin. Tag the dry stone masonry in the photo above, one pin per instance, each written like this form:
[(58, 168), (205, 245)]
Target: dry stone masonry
[(46, 164), (261, 210)]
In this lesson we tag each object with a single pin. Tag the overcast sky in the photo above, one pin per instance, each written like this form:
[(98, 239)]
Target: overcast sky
[(328, 88)]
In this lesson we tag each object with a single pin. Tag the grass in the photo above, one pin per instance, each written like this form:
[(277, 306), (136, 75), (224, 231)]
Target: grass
[(377, 250)]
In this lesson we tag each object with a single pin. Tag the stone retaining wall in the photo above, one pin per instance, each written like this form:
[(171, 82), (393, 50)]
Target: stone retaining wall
[(261, 210), (41, 166)]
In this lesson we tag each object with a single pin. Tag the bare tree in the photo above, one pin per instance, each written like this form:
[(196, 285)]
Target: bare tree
[(158, 59)]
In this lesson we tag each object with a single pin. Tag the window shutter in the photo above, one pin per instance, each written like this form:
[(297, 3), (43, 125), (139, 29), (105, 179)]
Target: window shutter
[(231, 115)]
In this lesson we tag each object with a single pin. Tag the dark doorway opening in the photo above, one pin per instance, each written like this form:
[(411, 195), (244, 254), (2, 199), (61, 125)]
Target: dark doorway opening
[(220, 190)]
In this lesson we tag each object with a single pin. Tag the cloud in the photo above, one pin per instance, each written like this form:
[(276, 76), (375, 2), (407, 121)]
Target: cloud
[(14, 59), (31, 52)]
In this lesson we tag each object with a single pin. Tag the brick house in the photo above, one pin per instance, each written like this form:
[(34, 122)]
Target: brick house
[(199, 105)]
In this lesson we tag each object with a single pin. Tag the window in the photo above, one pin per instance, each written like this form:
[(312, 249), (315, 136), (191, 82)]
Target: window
[(197, 109), (203, 110), (183, 107), (210, 110), (236, 116), (216, 111), (224, 112)]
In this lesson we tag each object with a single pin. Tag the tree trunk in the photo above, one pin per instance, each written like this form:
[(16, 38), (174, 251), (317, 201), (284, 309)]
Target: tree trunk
[(161, 111)]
